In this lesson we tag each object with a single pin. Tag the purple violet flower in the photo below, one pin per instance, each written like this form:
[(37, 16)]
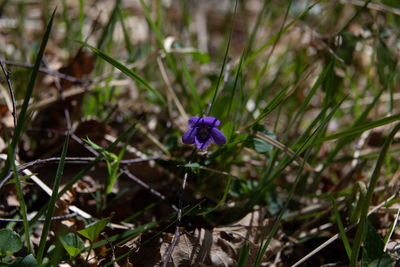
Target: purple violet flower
[(202, 131)]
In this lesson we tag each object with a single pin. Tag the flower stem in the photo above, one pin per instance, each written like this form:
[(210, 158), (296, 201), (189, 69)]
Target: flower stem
[(179, 216)]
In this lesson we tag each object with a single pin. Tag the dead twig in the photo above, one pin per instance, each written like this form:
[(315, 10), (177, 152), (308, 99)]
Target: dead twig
[(55, 218), (47, 71), (7, 75)]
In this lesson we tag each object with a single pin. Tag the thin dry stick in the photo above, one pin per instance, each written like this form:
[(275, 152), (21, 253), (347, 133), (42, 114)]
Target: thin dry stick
[(375, 6), (55, 218), (68, 160), (337, 236), (392, 230), (50, 100), (47, 71), (146, 186), (152, 138), (178, 104), (7, 74)]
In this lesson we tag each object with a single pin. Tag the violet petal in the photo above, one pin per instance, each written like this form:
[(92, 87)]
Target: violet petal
[(202, 145), (217, 136), (194, 121), (189, 136), (211, 121)]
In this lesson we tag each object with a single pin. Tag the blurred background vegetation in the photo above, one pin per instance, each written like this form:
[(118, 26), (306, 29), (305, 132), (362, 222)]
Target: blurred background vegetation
[(307, 95)]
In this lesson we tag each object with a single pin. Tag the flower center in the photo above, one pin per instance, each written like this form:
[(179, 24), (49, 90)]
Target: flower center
[(203, 134)]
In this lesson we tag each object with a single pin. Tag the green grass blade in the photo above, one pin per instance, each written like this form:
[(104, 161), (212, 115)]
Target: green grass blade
[(125, 31), (20, 199), (363, 128), (244, 254), (276, 36), (224, 63), (108, 30), (192, 87), (126, 71), (341, 229), (371, 188), (239, 69), (52, 202)]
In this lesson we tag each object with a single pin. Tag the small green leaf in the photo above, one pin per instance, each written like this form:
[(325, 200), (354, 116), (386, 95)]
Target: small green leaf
[(200, 57), (259, 145), (72, 244), (227, 130), (192, 165), (93, 229), (373, 254), (113, 179), (362, 128), (10, 242), (28, 261), (386, 61), (106, 154)]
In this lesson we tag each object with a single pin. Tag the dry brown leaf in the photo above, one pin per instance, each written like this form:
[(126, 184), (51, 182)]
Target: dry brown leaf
[(221, 246)]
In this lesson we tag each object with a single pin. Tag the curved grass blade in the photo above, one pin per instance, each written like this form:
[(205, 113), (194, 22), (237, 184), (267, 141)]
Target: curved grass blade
[(228, 186), (363, 128), (371, 188), (20, 199), (341, 229), (125, 70)]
